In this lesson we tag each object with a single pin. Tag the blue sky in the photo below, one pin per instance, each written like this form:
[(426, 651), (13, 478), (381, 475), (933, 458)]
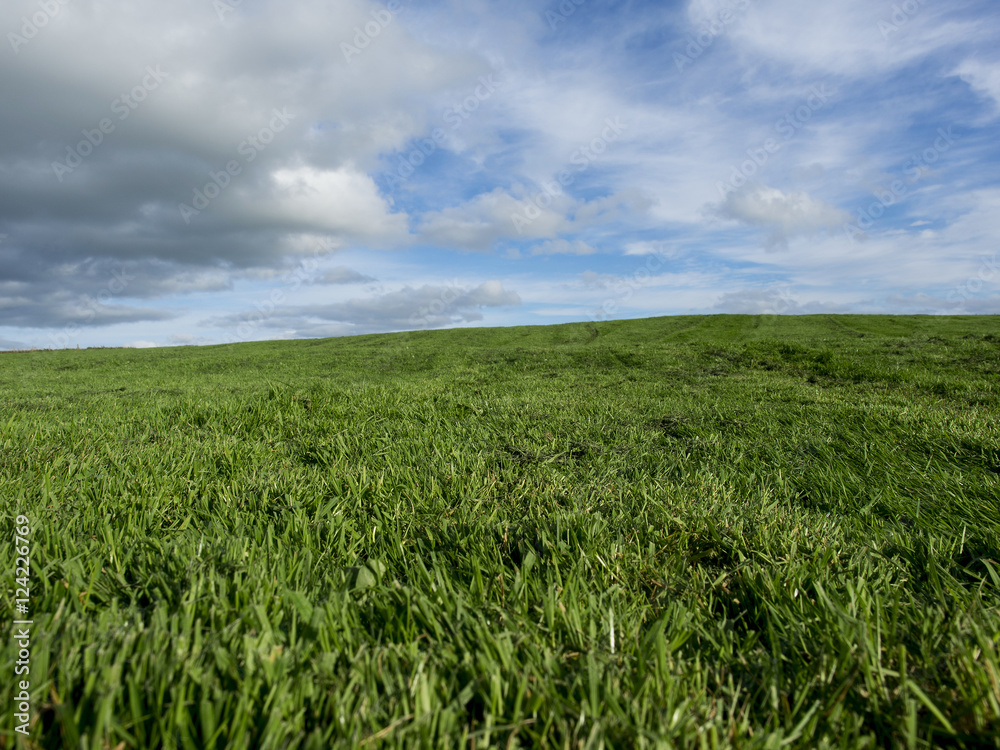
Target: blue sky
[(210, 171)]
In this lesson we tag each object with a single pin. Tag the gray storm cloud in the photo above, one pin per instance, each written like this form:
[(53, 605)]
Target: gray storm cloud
[(118, 115)]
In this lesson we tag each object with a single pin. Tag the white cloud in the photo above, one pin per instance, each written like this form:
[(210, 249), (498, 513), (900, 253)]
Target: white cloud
[(664, 249), (847, 37), (563, 247), (481, 221), (784, 214), (488, 294), (426, 306), (773, 301), (983, 78), (341, 201), (928, 304)]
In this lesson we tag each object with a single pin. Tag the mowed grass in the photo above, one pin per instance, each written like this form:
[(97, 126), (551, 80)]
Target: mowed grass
[(675, 532)]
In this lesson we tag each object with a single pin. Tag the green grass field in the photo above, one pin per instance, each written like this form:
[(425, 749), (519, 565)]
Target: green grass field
[(674, 532)]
